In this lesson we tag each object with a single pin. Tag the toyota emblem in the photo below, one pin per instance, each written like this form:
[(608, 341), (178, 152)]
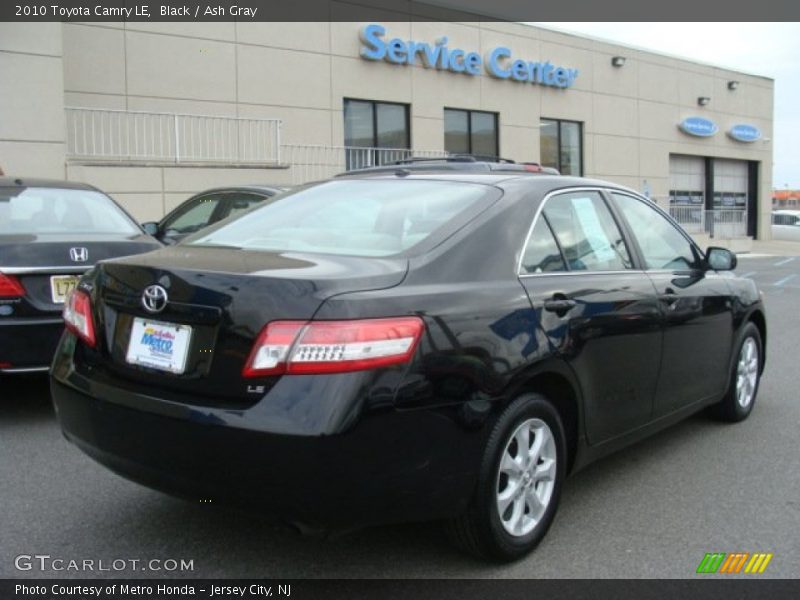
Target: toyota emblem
[(154, 298)]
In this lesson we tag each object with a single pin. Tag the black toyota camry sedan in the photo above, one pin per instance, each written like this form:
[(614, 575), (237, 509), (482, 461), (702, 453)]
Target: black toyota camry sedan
[(402, 345), (51, 232)]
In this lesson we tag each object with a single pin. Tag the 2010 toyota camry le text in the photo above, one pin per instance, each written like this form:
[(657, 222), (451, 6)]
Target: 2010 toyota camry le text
[(407, 344)]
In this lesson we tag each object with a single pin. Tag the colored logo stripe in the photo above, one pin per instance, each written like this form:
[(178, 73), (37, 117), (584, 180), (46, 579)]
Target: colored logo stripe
[(721, 562), (711, 562), (758, 563), (734, 562)]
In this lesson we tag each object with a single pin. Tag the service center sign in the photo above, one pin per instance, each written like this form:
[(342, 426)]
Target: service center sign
[(498, 62)]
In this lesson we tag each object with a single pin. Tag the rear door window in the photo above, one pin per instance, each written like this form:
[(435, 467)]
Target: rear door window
[(587, 233)]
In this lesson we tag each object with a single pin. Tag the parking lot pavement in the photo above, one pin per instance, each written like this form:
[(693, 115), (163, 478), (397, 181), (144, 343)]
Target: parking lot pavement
[(652, 510)]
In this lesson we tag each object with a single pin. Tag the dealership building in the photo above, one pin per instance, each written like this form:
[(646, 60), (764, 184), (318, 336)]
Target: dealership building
[(155, 112)]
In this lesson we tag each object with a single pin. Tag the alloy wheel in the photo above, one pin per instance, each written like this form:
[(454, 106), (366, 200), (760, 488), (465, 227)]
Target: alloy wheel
[(526, 477), (747, 373)]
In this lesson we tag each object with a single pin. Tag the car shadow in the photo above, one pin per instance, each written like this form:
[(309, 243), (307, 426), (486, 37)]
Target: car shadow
[(228, 542), (24, 398)]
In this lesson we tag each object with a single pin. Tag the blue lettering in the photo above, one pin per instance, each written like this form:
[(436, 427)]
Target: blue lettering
[(560, 77), (493, 65), (157, 344), (519, 70), (444, 58), (455, 65), (546, 72), (375, 48), (413, 48), (498, 62), (396, 51), (472, 63), (431, 54), (572, 75)]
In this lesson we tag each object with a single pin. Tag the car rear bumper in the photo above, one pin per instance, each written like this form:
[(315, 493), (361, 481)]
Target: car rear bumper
[(391, 466), (27, 345)]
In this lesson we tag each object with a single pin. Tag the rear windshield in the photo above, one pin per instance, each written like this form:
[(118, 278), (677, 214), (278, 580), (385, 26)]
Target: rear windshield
[(353, 217), (35, 210)]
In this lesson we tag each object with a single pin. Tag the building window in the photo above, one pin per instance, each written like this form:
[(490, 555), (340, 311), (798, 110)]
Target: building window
[(470, 132), (371, 126), (561, 145)]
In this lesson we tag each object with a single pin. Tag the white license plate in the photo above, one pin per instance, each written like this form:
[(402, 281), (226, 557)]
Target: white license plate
[(61, 286), (159, 345)]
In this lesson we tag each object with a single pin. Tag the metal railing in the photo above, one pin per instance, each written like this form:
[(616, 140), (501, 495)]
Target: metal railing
[(726, 223), (718, 223), (119, 135), (691, 218), (309, 162)]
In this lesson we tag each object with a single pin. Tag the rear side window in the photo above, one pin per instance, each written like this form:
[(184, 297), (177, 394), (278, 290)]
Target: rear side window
[(587, 232), (360, 217), (663, 246), (542, 254), (239, 202), (784, 220), (196, 216)]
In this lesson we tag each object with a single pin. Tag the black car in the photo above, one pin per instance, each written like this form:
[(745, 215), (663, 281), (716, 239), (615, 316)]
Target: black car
[(51, 232), (401, 345), (208, 207)]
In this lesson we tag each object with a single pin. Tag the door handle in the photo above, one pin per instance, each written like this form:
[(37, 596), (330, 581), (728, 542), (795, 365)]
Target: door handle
[(559, 304), (669, 297)]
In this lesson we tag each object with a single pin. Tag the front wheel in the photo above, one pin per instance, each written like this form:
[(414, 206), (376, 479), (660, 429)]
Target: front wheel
[(737, 404), (519, 485)]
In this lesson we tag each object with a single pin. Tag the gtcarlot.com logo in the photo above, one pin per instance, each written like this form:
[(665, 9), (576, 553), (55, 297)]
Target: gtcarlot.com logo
[(734, 562), (45, 562)]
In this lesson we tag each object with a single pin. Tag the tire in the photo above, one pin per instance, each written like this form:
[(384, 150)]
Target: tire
[(485, 530), (737, 404)]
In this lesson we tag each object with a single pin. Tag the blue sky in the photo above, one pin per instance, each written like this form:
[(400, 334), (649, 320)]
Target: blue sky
[(770, 49)]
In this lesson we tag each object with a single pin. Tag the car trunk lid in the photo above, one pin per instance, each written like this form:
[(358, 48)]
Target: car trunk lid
[(218, 300)]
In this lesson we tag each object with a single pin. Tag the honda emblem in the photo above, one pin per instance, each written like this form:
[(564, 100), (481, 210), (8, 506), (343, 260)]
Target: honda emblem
[(79, 254)]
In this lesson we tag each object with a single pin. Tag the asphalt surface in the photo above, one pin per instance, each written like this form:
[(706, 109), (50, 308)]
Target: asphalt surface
[(652, 510)]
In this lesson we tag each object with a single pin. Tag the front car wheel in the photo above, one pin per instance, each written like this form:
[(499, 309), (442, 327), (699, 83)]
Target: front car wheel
[(737, 404)]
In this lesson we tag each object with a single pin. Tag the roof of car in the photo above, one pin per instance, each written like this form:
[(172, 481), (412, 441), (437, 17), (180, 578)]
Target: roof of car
[(256, 187), (488, 177), (38, 182), (457, 162)]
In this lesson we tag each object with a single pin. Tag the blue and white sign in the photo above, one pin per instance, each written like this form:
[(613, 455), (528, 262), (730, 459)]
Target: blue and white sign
[(498, 62), (744, 133), (698, 126)]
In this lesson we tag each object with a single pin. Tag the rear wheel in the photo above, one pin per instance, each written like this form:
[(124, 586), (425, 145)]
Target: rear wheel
[(743, 386), (522, 470)]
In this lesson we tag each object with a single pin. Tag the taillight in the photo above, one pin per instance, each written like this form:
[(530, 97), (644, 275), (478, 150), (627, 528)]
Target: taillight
[(10, 287), (78, 317), (316, 347)]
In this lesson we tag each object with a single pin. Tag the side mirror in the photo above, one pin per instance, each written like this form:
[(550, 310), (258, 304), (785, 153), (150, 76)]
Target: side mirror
[(150, 228), (720, 259)]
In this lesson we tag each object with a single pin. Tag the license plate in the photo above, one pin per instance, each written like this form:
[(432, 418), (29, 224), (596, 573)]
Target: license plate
[(61, 286), (159, 345)]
